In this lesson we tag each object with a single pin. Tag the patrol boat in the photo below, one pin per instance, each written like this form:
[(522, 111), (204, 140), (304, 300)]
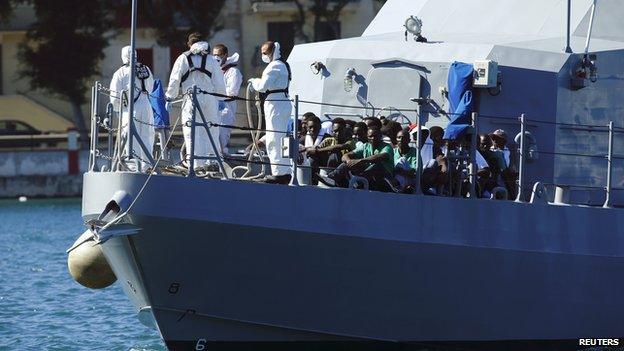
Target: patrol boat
[(232, 264)]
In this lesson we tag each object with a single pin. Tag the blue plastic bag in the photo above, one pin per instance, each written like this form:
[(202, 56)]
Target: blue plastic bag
[(159, 108)]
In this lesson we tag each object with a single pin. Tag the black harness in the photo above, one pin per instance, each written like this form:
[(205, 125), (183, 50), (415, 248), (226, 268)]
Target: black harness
[(192, 68), (264, 95), (142, 73)]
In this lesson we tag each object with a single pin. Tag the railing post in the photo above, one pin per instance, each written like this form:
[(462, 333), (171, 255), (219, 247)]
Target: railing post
[(120, 143), (607, 202), (131, 86), (191, 155), (91, 149), (204, 123), (417, 189), (94, 125), (522, 156), (110, 112), (473, 158), (294, 145)]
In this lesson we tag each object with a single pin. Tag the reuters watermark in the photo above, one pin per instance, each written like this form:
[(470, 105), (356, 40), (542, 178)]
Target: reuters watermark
[(599, 342)]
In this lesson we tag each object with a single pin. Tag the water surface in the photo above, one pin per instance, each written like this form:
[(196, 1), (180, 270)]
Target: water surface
[(41, 307)]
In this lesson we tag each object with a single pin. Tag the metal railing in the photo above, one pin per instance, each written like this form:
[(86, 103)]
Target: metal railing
[(119, 151)]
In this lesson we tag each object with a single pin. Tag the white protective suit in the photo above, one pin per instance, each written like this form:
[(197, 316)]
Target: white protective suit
[(208, 103), (276, 113), (233, 81), (142, 108)]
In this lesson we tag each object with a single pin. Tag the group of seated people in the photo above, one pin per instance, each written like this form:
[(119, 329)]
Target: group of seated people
[(382, 154)]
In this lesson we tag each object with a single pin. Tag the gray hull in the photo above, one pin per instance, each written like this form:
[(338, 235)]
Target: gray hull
[(223, 263)]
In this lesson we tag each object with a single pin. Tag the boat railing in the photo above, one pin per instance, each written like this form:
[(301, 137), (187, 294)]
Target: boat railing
[(121, 137)]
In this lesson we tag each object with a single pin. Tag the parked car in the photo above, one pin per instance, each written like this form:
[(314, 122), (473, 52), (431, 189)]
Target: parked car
[(16, 128)]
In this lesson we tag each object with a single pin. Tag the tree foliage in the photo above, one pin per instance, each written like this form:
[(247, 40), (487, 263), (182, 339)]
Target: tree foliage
[(173, 20), (61, 53), (63, 48), (321, 10)]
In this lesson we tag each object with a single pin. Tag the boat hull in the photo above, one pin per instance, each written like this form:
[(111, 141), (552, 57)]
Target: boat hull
[(394, 271)]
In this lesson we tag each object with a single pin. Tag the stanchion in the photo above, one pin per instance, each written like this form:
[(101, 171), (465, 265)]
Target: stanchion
[(120, 142), (473, 157), (294, 145), (420, 102), (131, 87), (522, 157), (108, 122), (211, 140), (93, 128), (191, 155), (417, 189), (607, 202)]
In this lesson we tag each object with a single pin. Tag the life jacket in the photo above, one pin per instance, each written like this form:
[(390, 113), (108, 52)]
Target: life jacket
[(142, 73), (264, 95), (192, 68)]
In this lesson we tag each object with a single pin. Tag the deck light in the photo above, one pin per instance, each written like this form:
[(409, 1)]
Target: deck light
[(413, 25), (348, 80)]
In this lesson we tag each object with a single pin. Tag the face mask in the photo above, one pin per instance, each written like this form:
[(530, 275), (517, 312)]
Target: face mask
[(217, 58), (266, 59)]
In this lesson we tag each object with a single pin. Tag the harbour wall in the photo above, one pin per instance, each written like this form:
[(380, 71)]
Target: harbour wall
[(45, 173)]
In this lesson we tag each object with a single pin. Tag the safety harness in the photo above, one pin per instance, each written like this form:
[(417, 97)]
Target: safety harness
[(192, 68), (264, 95), (142, 73)]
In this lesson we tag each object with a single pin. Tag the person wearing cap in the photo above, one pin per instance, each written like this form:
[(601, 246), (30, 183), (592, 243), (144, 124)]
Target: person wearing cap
[(273, 88), (499, 145)]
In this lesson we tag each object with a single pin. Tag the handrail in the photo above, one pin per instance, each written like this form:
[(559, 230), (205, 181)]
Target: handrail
[(523, 122)]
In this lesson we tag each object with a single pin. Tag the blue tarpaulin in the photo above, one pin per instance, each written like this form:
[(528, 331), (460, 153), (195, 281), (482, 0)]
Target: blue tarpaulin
[(460, 99), (157, 100)]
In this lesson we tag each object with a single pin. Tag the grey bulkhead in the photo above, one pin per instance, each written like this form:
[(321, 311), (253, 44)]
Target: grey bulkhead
[(596, 104), (535, 81)]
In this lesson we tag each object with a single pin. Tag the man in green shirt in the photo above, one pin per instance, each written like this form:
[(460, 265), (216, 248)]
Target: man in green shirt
[(373, 161), (406, 164)]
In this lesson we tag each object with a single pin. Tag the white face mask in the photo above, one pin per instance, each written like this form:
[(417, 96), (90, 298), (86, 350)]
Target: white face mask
[(266, 59)]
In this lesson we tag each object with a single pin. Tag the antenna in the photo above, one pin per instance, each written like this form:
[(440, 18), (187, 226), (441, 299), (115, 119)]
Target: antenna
[(568, 49), (591, 26), (131, 89)]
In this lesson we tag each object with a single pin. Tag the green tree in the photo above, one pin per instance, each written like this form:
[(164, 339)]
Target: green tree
[(173, 20), (63, 48)]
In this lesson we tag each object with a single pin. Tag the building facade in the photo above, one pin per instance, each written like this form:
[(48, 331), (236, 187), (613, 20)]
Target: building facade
[(243, 26)]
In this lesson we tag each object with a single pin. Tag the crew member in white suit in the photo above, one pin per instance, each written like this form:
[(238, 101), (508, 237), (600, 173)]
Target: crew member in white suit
[(273, 87), (198, 67), (143, 86), (233, 80)]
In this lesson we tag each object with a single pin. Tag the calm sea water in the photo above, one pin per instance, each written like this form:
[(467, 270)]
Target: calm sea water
[(41, 307)]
